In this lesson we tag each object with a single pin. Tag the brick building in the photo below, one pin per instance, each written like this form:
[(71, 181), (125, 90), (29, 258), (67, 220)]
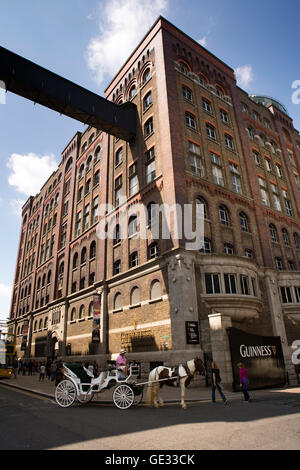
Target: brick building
[(200, 139)]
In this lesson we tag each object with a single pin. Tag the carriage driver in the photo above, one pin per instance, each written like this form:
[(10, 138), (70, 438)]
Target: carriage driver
[(121, 363)]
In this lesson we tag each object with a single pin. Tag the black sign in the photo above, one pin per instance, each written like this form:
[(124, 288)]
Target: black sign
[(192, 332), (262, 357)]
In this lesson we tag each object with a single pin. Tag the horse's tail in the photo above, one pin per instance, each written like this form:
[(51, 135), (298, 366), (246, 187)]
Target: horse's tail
[(149, 392)]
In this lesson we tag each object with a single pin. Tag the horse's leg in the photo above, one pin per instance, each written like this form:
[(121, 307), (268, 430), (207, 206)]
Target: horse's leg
[(161, 402), (182, 386), (155, 395)]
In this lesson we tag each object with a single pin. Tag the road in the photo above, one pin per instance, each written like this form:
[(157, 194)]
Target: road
[(33, 422)]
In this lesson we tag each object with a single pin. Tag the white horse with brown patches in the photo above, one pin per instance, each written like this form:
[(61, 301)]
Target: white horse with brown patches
[(182, 375)]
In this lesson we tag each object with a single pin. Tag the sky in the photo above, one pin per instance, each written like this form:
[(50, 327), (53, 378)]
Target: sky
[(87, 41)]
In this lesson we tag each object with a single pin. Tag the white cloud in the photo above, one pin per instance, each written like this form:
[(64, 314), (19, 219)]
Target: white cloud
[(203, 41), (244, 75), (29, 172), (122, 24), (5, 297), (16, 205)]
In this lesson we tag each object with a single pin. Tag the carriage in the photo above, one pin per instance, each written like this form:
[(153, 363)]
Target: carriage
[(78, 383)]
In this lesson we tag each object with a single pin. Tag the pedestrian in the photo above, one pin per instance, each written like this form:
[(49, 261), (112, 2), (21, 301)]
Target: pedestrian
[(24, 368), (216, 383), (42, 372), (30, 367), (244, 381), (35, 366), (19, 366), (52, 371)]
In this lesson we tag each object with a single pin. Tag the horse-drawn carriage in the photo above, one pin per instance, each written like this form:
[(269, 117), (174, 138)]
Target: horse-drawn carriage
[(79, 384)]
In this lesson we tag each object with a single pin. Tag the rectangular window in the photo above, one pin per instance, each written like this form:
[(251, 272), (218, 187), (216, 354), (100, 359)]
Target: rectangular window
[(95, 210), (86, 217), (268, 165), (150, 171), (187, 94), (229, 142), (217, 175), (230, 283), (211, 132), (196, 165), (286, 294), (206, 105), (245, 285), (264, 197), (78, 224), (190, 120), (224, 116), (297, 292), (67, 186), (118, 190), (213, 284), (150, 154), (236, 183), (63, 235), (276, 202), (279, 171), (133, 185), (254, 289)]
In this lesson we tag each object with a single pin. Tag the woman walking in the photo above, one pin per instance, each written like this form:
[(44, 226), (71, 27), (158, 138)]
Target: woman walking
[(244, 381), (216, 383)]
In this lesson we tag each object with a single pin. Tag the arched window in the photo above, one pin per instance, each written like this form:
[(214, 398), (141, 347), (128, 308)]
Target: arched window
[(148, 127), (184, 68), (203, 80), (49, 277), (146, 76), (132, 225), (35, 326), (155, 290), (61, 269), (244, 222), (273, 233), (97, 154), (119, 157), (89, 163), (83, 255), (220, 91), (46, 322), (18, 330), (81, 312), (75, 260), (132, 92), (93, 250), (39, 283), (44, 280), (81, 171), (91, 309), (29, 289), (133, 259), (118, 301), (40, 324), (91, 138), (224, 216), (69, 164), (201, 200), (73, 314), (96, 178), (25, 292), (153, 250), (297, 241), (135, 296)]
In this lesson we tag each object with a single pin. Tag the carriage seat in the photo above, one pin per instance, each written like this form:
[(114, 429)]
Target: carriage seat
[(83, 374)]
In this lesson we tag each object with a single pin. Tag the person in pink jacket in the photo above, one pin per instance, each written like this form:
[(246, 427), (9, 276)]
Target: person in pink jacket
[(244, 381)]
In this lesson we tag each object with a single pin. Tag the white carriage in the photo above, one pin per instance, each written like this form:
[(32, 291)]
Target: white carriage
[(79, 384)]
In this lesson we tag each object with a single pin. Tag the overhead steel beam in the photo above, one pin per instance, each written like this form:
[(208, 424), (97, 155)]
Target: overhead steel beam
[(27, 79)]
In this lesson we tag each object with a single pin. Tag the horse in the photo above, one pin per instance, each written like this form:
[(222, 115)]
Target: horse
[(181, 374)]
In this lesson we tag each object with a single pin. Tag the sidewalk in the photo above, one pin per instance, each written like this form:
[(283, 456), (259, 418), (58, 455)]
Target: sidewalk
[(169, 394)]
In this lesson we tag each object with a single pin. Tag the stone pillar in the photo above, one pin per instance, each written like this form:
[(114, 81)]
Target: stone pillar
[(104, 321), (29, 338), (278, 322), (220, 345), (183, 303)]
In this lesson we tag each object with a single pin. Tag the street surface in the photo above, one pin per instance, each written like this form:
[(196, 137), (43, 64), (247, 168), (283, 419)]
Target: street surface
[(32, 422)]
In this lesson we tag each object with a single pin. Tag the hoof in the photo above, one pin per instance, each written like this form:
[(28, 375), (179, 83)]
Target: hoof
[(184, 407), (156, 406)]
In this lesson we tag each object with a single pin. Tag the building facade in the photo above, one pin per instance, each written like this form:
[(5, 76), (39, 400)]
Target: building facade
[(200, 140)]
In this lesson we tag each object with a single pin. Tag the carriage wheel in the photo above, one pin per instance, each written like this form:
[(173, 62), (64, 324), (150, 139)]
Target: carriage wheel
[(65, 393), (138, 398), (123, 397), (84, 398)]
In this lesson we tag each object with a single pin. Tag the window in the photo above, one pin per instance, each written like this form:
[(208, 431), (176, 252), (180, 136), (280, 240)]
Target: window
[(297, 292), (93, 250), (212, 283), (81, 171), (224, 217), (286, 295), (215, 159), (236, 184), (211, 131), (230, 283), (278, 264), (74, 287), (152, 214), (296, 241), (64, 235), (81, 312), (118, 190), (73, 314), (202, 80), (147, 101), (86, 217), (146, 76), (224, 116), (83, 255), (132, 92), (250, 133), (279, 170), (116, 267), (285, 237), (75, 260), (150, 172), (69, 165), (229, 142), (268, 165), (96, 178), (87, 186), (217, 175), (153, 251), (264, 197), (187, 93), (256, 158), (52, 245), (206, 247), (82, 283), (148, 127), (228, 249), (135, 296), (149, 155), (132, 226), (276, 202), (97, 154), (133, 185), (78, 224), (79, 194), (133, 260), (291, 265), (195, 160), (249, 253), (118, 301), (244, 222), (288, 207), (95, 210), (66, 205), (155, 290), (190, 120), (119, 156), (201, 200), (244, 285), (67, 186), (273, 233), (117, 235), (206, 105)]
